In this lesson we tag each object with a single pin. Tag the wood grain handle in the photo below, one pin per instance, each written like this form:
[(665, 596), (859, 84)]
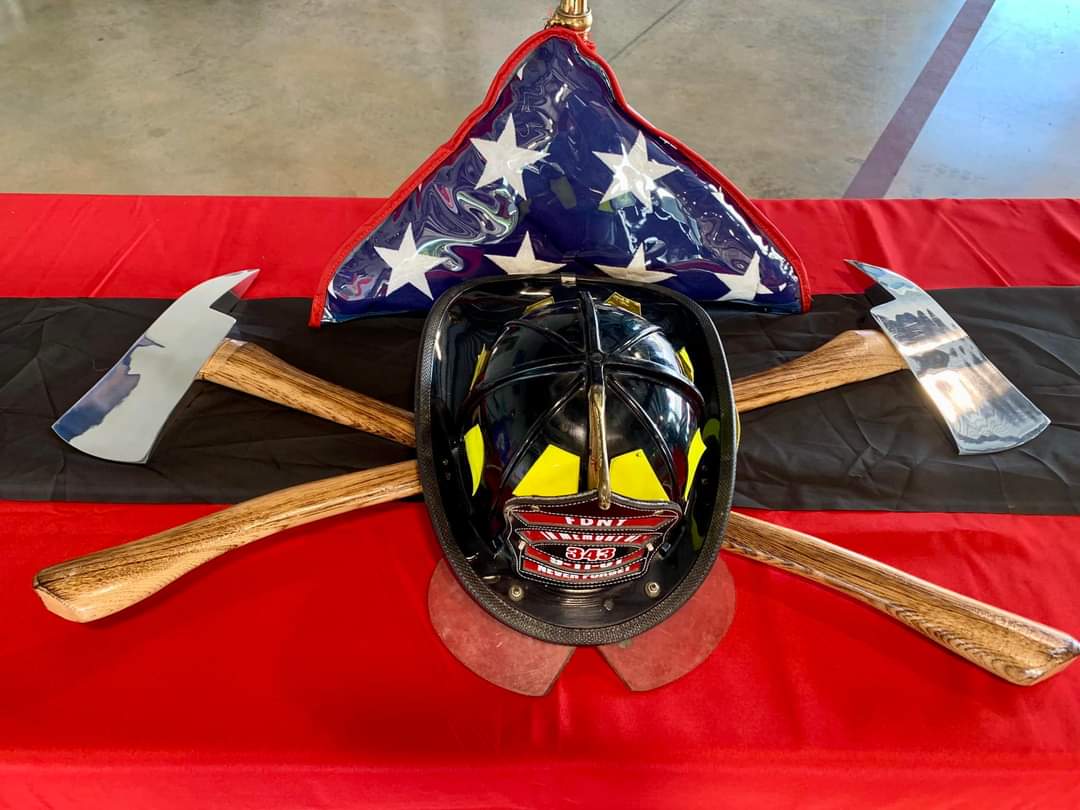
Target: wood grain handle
[(110, 580), (849, 357), (253, 370), (1014, 648)]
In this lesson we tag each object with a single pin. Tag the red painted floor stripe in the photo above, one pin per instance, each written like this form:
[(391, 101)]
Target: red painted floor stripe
[(878, 171)]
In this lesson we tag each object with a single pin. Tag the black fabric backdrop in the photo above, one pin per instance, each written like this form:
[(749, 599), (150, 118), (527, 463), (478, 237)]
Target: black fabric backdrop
[(872, 445)]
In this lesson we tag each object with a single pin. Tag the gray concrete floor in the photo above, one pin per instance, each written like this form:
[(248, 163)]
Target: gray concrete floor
[(340, 98)]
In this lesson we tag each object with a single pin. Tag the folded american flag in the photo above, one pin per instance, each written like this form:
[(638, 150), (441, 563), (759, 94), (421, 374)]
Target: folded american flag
[(554, 172)]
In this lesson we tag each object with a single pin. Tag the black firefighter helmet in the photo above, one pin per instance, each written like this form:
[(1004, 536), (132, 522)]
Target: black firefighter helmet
[(576, 441)]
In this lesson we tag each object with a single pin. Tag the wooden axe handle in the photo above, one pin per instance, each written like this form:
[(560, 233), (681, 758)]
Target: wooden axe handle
[(110, 580), (253, 370), (849, 357), (1009, 646), (1014, 648)]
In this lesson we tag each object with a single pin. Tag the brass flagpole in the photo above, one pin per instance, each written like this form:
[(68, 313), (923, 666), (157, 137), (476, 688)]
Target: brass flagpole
[(573, 14)]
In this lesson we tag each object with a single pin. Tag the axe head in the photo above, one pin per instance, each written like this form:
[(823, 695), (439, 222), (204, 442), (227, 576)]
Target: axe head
[(121, 417), (984, 412)]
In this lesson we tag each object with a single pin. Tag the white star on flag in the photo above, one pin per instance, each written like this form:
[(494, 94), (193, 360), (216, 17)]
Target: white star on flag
[(504, 159), (747, 286), (636, 270), (524, 262), (633, 172), (408, 265)]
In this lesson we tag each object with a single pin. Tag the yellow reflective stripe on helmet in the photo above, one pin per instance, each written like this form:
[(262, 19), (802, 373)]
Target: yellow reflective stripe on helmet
[(687, 366), (543, 302), (474, 452), (481, 363), (556, 472), (622, 302), (697, 449), (633, 476)]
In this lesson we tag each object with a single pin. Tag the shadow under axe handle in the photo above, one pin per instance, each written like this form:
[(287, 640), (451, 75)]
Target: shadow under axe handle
[(110, 580), (1019, 650), (852, 356), (251, 369)]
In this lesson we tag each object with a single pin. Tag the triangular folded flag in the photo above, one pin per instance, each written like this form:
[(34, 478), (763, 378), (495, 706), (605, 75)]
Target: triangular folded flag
[(554, 172)]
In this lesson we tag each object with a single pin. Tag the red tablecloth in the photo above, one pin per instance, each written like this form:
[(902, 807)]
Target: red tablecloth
[(282, 676)]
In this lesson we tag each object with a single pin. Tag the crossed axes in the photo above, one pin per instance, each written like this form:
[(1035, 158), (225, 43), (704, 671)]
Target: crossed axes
[(1012, 647)]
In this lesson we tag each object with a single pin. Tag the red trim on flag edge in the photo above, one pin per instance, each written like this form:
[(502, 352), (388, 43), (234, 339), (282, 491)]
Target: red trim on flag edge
[(505, 72)]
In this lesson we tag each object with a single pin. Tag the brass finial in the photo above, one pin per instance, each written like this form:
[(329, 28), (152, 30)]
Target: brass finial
[(573, 14)]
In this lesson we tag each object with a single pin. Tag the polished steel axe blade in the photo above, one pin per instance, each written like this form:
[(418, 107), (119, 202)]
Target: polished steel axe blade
[(121, 417), (984, 412)]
